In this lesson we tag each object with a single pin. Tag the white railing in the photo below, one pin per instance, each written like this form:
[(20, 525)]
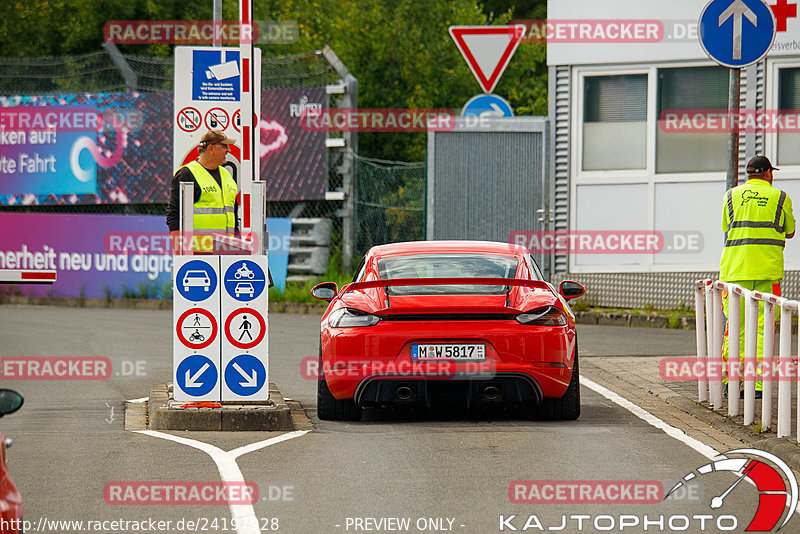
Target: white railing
[(710, 330)]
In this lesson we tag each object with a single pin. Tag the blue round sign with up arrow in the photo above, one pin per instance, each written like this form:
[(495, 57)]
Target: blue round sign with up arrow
[(245, 375), (196, 375), (736, 33)]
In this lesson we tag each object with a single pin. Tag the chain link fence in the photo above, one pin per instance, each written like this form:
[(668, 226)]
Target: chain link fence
[(389, 203)]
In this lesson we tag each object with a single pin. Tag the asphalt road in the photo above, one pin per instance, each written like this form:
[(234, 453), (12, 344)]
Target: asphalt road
[(441, 474)]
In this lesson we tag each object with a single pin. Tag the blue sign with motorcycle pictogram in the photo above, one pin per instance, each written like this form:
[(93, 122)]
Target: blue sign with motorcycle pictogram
[(196, 280), (244, 280)]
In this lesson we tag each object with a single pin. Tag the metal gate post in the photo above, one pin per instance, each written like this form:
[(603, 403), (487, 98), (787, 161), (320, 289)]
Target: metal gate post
[(784, 387), (186, 220), (769, 349), (719, 328), (702, 345), (734, 303), (750, 348)]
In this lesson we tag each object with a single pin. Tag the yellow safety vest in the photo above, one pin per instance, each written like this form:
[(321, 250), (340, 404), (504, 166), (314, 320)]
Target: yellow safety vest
[(756, 218), (214, 211)]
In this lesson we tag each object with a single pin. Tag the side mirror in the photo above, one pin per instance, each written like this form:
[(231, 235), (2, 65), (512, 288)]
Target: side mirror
[(571, 290), (10, 401), (325, 291)]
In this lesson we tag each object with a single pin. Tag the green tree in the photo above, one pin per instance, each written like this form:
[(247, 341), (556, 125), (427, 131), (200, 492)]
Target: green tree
[(400, 50)]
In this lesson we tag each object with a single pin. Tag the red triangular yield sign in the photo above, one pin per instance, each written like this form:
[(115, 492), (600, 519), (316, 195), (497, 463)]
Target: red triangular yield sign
[(487, 49)]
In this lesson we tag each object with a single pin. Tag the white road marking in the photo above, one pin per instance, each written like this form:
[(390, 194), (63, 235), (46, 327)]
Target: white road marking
[(142, 399), (646, 416), (244, 514), (651, 419)]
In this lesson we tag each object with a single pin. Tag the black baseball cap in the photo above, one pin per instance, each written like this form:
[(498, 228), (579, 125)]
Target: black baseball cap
[(759, 164)]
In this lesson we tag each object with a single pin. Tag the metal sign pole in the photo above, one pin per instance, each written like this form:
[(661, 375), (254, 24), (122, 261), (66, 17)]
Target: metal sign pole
[(732, 178), (217, 39), (258, 219), (720, 31), (186, 225)]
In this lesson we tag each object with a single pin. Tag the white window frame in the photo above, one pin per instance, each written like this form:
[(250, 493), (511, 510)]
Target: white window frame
[(646, 176), (772, 100)]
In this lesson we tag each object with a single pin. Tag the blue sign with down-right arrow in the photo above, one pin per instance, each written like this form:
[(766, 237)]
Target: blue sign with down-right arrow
[(736, 33), (245, 375)]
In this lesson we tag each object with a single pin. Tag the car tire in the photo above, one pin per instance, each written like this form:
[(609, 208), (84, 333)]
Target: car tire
[(329, 408), (568, 407)]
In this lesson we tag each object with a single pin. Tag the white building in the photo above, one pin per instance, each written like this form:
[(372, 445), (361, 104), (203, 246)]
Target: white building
[(634, 147)]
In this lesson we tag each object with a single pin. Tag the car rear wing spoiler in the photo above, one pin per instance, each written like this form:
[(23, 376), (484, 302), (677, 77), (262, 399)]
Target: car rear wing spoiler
[(358, 286)]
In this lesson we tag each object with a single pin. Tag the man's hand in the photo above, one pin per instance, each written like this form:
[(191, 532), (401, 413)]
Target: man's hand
[(789, 236)]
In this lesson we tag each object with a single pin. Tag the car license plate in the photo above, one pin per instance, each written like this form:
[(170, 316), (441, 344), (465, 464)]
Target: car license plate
[(449, 351)]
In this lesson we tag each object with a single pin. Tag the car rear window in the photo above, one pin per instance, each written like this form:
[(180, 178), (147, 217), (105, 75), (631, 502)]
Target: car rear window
[(448, 266)]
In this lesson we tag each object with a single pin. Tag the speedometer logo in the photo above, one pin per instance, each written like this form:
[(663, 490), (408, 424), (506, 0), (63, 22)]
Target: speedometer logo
[(777, 485)]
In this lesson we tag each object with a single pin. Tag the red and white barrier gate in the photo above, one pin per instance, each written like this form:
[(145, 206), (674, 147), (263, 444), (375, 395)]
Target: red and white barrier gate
[(22, 276), (710, 324)]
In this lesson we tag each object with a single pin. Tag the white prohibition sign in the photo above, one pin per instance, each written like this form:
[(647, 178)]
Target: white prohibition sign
[(189, 119), (217, 119), (243, 333), (237, 120)]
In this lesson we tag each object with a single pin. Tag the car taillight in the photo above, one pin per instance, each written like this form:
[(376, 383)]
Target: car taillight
[(349, 317), (545, 316)]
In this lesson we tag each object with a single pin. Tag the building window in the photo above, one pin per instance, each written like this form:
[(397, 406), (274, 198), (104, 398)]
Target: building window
[(685, 91), (788, 104), (614, 122)]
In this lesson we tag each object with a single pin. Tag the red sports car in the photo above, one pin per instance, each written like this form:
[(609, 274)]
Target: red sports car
[(10, 499), (428, 322)]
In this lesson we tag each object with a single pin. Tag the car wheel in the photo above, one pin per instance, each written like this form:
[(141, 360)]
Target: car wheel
[(329, 408), (568, 407)]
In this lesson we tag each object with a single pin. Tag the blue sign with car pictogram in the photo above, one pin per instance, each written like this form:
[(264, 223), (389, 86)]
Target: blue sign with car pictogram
[(244, 280), (196, 280)]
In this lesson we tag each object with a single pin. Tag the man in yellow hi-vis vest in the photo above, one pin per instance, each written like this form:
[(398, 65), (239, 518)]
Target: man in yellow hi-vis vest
[(757, 219), (214, 192)]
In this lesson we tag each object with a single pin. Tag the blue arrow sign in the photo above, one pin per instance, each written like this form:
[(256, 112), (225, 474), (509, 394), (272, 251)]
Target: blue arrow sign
[(196, 280), (244, 280), (736, 33), (196, 375), (245, 375), (487, 105)]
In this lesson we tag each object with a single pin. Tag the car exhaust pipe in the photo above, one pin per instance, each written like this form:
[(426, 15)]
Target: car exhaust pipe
[(404, 393), (491, 393)]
